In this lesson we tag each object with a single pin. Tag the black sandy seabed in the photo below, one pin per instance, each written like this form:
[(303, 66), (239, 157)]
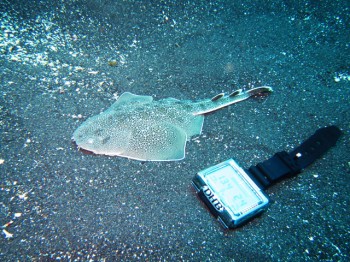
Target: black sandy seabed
[(63, 61)]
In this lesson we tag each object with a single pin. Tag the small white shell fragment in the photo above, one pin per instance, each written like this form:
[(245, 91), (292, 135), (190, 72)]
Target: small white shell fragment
[(93, 72), (7, 234), (8, 224), (79, 68), (53, 48), (2, 161), (18, 215), (79, 116), (341, 77), (23, 196)]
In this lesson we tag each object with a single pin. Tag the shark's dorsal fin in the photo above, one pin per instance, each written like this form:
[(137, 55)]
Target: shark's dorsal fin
[(235, 93), (218, 96)]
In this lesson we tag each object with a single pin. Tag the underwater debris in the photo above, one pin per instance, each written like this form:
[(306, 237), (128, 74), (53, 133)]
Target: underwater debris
[(113, 63)]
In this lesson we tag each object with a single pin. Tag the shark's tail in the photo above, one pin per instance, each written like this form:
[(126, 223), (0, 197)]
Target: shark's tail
[(221, 100), (259, 90)]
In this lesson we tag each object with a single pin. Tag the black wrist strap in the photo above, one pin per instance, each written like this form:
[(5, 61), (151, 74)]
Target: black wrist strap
[(284, 164)]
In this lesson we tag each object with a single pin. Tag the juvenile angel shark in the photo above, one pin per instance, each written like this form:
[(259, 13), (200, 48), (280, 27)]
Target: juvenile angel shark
[(139, 128)]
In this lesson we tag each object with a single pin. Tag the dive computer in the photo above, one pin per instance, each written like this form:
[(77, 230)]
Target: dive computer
[(235, 195)]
